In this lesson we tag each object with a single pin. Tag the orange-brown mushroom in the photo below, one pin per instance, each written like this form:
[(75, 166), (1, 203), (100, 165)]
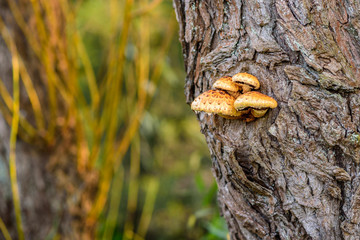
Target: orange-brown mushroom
[(217, 102), (258, 103), (226, 84), (247, 81)]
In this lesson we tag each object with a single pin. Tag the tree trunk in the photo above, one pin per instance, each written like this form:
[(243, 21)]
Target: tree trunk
[(293, 174)]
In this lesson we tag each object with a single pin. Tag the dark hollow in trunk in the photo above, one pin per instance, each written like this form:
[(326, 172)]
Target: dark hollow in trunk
[(293, 174)]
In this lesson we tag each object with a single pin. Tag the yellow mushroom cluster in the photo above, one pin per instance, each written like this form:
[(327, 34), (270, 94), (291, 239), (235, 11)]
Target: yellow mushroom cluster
[(233, 98)]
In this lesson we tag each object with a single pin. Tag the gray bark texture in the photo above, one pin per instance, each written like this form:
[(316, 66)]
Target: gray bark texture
[(293, 174)]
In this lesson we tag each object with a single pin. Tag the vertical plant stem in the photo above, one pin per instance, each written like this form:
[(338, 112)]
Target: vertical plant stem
[(146, 9), (6, 96), (13, 134), (133, 188), (8, 102), (142, 82), (114, 83), (4, 32), (89, 71), (33, 97), (115, 200), (42, 33), (35, 46), (52, 103), (4, 230), (152, 189), (109, 121)]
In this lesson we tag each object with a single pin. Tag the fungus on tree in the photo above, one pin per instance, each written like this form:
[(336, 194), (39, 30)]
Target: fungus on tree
[(258, 103), (226, 84), (247, 81), (217, 102)]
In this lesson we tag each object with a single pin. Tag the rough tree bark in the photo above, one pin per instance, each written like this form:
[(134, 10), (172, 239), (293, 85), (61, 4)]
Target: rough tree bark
[(293, 174)]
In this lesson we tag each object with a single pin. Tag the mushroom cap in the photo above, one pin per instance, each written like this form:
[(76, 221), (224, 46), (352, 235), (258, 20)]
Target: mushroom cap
[(215, 101), (226, 83), (254, 100), (246, 78)]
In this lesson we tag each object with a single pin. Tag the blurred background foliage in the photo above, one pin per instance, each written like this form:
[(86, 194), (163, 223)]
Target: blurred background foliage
[(155, 179)]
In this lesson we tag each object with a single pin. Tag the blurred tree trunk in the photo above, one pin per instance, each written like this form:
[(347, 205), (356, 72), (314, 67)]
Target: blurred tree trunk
[(51, 189), (293, 174)]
